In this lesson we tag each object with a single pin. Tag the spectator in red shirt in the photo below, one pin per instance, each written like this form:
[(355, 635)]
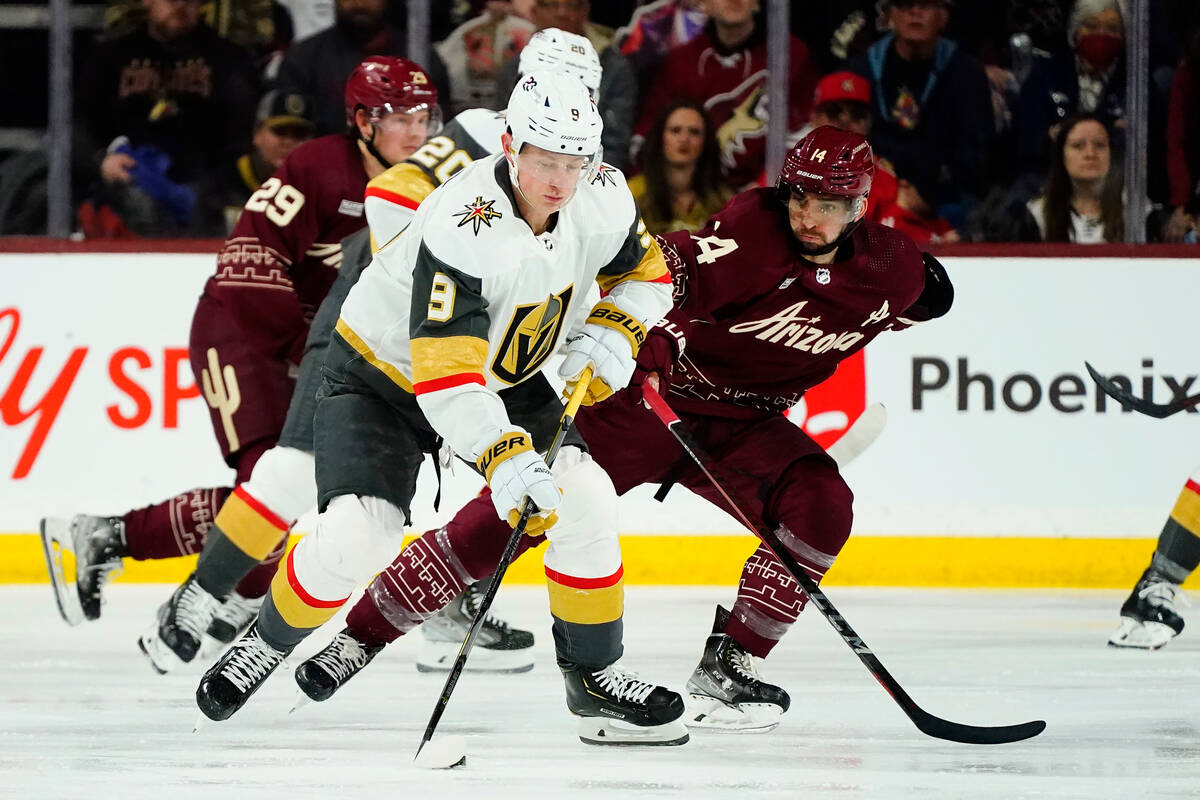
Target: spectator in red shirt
[(725, 68)]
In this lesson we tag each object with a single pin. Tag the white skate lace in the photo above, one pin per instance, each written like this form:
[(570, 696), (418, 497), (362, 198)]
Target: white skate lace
[(195, 610), (238, 610), (623, 685), (343, 657), (250, 659), (744, 663), (1162, 593)]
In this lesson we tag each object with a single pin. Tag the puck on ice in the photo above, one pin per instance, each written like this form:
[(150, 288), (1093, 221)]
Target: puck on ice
[(445, 752)]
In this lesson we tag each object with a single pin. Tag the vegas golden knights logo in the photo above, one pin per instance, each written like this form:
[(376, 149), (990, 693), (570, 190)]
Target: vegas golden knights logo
[(530, 337)]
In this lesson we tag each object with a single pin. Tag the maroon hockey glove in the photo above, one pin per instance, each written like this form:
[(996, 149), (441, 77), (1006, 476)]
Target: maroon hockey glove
[(664, 343)]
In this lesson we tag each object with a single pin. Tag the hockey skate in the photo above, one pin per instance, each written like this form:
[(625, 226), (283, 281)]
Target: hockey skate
[(229, 683), (327, 671), (498, 648), (726, 692), (233, 618), (1149, 616), (618, 708), (182, 621), (98, 546)]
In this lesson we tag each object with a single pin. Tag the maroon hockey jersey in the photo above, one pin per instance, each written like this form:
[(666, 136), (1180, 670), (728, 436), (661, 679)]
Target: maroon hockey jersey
[(766, 324), (283, 254), (732, 86)]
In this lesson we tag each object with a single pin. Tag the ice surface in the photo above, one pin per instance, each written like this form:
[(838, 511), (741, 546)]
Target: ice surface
[(82, 715)]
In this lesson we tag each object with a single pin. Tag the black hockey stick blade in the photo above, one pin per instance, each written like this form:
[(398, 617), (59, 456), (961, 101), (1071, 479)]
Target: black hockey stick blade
[(510, 549), (926, 723), (1138, 404)]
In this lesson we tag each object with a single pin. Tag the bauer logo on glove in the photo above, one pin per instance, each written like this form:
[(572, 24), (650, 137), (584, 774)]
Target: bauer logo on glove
[(609, 342)]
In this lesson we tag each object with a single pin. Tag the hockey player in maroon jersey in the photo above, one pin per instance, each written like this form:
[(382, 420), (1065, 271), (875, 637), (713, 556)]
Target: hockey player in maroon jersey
[(782, 285), (247, 339)]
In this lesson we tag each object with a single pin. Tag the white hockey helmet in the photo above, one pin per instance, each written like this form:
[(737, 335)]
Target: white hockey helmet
[(555, 112), (557, 50)]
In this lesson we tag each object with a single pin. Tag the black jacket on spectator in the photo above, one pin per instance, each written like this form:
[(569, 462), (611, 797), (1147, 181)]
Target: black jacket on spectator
[(319, 65), (945, 155), (192, 97), (1051, 94)]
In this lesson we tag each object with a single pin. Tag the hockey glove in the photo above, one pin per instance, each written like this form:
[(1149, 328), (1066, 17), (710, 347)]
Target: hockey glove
[(514, 471), (664, 345), (609, 342)]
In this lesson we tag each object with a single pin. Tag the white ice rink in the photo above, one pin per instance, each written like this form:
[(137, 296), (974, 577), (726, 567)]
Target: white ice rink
[(82, 715)]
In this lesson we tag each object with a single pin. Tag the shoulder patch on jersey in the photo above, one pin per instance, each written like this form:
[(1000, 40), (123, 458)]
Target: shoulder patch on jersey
[(605, 176), (350, 208), (479, 212)]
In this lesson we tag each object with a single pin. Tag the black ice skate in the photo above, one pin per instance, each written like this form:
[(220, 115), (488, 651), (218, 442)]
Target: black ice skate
[(726, 692), (327, 671), (1149, 616), (229, 683), (98, 544), (175, 637), (498, 648), (618, 708), (231, 621)]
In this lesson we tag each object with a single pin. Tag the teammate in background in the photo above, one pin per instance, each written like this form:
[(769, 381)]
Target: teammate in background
[(1149, 616), (783, 284), (391, 199), (442, 340), (247, 338)]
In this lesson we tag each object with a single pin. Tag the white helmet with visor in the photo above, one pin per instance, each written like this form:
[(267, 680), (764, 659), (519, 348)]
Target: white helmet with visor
[(554, 111)]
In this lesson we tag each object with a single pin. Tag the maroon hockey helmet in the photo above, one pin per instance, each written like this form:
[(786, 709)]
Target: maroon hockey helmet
[(385, 84), (828, 161)]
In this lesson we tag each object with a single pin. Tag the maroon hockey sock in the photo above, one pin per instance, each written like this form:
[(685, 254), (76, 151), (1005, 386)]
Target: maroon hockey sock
[(175, 527), (432, 571), (813, 505)]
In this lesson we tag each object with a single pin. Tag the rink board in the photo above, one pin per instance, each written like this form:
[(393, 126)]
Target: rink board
[(1000, 465)]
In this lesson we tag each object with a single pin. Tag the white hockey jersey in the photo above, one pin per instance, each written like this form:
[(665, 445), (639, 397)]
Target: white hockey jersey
[(468, 301), (393, 197)]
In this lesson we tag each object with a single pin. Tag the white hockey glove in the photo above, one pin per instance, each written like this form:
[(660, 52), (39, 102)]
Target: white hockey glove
[(609, 342), (514, 471)]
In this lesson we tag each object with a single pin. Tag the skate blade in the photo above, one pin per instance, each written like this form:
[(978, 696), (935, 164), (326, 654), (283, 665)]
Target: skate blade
[(440, 657), (612, 732), (201, 723), (709, 713), (55, 532), (300, 701), (1135, 635), (162, 659)]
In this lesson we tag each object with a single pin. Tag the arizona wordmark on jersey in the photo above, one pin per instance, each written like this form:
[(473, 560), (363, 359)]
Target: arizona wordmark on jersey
[(469, 301)]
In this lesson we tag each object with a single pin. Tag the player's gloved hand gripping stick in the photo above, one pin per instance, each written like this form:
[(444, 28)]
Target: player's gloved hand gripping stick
[(485, 605), (926, 722)]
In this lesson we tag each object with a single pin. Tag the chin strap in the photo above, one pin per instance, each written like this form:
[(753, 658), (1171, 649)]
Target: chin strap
[(370, 145)]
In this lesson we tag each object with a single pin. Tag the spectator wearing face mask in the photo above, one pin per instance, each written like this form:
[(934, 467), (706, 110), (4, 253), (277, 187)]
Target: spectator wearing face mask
[(1088, 77)]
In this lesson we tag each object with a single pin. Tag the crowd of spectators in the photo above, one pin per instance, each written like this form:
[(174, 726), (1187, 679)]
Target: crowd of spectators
[(991, 121)]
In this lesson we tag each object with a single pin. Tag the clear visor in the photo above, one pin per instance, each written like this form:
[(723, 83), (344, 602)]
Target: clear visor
[(824, 208), (555, 168), (422, 118)]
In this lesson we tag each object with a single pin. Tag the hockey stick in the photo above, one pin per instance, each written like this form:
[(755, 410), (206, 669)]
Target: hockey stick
[(925, 722), (1138, 404), (510, 550), (859, 436)]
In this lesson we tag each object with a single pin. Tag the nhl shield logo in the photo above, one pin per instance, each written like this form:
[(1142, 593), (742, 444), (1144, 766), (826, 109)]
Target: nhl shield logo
[(530, 337), (823, 276)]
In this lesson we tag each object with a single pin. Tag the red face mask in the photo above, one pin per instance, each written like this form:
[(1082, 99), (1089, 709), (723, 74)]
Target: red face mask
[(1099, 49)]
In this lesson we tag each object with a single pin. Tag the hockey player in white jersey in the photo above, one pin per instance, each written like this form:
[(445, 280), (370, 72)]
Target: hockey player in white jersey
[(393, 197), (391, 201), (445, 338)]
